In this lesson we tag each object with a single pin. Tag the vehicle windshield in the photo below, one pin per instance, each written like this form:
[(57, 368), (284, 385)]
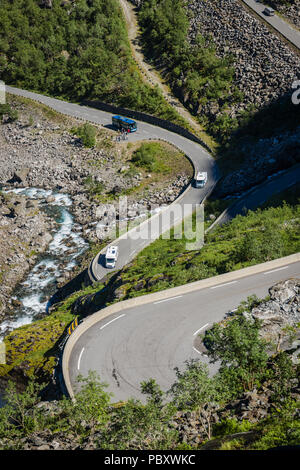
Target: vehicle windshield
[(110, 260)]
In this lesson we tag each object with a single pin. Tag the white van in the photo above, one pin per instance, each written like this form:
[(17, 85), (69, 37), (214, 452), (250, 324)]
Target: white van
[(201, 179), (111, 256), (269, 11)]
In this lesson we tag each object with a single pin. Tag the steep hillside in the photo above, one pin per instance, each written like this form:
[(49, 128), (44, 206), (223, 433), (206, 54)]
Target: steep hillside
[(74, 50)]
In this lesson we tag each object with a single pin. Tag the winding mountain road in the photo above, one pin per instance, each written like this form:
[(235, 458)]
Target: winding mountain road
[(150, 340), (130, 245), (126, 345)]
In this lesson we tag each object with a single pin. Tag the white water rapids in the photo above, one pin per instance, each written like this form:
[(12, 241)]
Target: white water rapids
[(40, 284)]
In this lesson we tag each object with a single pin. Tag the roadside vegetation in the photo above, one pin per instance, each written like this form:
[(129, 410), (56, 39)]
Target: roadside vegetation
[(195, 73), (259, 236), (86, 133), (156, 157), (198, 77), (155, 424), (7, 114), (33, 349), (147, 165), (75, 51)]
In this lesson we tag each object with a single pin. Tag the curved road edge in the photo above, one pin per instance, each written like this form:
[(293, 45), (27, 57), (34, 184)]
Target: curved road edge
[(157, 296), (259, 194), (92, 269)]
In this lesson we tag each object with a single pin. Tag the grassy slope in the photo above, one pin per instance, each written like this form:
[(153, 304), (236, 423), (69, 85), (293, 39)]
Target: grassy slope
[(260, 236)]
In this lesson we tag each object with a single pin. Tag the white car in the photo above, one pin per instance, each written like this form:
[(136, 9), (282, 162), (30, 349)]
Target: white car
[(269, 11), (111, 256)]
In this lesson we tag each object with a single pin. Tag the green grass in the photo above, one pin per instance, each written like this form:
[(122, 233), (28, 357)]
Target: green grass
[(259, 236), (156, 162), (33, 348)]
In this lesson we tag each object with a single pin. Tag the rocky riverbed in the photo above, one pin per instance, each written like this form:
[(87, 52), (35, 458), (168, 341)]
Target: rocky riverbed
[(49, 267), (44, 153), (25, 232)]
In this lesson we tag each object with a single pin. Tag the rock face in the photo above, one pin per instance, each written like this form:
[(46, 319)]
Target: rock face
[(264, 70), (24, 232), (252, 406), (280, 315), (265, 157), (45, 3)]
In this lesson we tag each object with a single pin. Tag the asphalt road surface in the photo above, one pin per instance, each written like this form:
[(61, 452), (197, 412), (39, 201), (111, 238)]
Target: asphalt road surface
[(285, 28), (260, 194), (202, 161), (149, 341)]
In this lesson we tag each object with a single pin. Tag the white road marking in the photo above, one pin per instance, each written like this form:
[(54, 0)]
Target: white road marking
[(274, 270), (79, 359), (222, 285), (204, 326), (132, 252), (196, 350), (123, 315), (166, 300)]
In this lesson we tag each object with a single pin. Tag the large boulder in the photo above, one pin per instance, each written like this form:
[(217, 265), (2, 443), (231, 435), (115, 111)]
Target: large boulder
[(20, 176)]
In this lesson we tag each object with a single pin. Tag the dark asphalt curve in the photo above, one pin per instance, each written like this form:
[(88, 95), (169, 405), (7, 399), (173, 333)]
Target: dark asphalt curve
[(149, 341)]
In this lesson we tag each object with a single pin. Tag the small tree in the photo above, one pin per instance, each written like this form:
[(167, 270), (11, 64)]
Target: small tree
[(282, 373), (19, 415), (240, 350), (90, 404), (6, 110), (195, 390), (87, 134), (135, 425)]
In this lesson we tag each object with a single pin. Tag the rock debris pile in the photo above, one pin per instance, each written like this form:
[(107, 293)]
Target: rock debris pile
[(265, 67)]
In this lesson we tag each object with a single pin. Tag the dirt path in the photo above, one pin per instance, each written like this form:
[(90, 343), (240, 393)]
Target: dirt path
[(150, 75)]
